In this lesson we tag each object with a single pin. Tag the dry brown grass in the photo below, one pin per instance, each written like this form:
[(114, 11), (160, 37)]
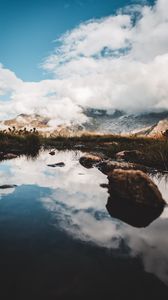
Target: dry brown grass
[(154, 149)]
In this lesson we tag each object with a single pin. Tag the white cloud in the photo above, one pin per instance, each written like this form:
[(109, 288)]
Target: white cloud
[(8, 81), (111, 63)]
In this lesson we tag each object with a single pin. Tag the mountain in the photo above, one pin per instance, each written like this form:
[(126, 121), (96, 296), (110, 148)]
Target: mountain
[(155, 130), (119, 122), (40, 123), (28, 121), (98, 121)]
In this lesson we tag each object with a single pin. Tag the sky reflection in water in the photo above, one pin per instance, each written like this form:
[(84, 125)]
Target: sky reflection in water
[(77, 205)]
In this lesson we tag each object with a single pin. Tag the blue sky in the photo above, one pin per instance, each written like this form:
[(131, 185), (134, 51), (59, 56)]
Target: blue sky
[(117, 60), (28, 29)]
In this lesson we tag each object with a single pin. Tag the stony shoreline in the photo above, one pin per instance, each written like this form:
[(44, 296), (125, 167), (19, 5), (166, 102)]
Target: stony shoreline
[(145, 152), (124, 160)]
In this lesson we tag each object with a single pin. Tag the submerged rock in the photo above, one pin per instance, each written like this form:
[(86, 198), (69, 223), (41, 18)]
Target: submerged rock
[(60, 164), (134, 198), (89, 160)]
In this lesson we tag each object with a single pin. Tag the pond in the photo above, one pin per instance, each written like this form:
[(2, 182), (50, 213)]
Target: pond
[(58, 241)]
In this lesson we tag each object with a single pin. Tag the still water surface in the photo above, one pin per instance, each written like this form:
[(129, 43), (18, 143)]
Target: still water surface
[(57, 240)]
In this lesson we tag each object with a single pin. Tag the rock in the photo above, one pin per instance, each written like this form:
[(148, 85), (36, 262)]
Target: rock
[(134, 198), (89, 160), (135, 187), (110, 144), (130, 155), (52, 152), (79, 146), (106, 166), (60, 164), (10, 156), (7, 186), (104, 185)]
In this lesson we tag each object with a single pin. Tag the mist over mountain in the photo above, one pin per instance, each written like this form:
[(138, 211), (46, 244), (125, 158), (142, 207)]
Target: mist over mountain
[(119, 122), (97, 121)]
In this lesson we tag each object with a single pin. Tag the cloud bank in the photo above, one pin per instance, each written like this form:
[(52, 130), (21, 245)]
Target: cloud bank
[(117, 62)]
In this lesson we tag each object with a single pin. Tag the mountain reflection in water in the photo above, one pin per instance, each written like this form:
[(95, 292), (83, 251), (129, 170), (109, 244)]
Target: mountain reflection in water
[(57, 238)]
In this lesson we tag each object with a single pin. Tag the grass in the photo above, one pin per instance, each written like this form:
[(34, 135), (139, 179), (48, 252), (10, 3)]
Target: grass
[(20, 144), (154, 150)]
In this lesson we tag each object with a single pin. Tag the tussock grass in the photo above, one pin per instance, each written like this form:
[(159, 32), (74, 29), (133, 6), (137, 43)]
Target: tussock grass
[(154, 149), (19, 144)]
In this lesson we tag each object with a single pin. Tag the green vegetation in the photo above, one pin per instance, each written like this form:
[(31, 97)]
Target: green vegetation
[(154, 150)]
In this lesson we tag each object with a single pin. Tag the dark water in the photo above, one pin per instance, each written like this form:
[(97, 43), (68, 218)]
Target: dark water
[(57, 240)]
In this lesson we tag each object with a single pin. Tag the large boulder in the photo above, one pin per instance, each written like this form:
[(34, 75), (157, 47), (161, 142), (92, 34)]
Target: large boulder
[(134, 198), (130, 155), (107, 166), (135, 186), (89, 160)]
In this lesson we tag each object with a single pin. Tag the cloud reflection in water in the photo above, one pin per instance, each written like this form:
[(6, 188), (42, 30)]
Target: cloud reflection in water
[(77, 204)]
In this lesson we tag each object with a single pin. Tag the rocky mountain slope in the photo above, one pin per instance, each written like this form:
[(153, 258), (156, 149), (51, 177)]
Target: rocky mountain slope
[(98, 121), (154, 130), (28, 121), (40, 123)]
